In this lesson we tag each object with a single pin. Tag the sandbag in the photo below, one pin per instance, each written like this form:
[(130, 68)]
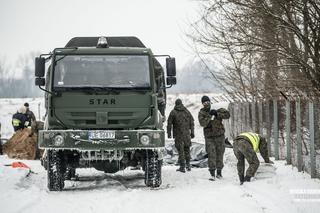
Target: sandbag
[(22, 145), (199, 156)]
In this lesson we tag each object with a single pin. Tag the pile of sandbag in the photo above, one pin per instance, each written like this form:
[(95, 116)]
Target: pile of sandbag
[(22, 145), (199, 156)]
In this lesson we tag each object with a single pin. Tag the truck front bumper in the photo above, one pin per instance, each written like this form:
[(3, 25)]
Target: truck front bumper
[(101, 139)]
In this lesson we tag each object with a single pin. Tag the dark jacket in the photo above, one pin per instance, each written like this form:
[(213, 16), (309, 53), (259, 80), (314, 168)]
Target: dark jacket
[(30, 116), (19, 121)]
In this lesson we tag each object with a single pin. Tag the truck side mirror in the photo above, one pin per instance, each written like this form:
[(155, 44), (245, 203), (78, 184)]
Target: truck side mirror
[(171, 66), (39, 67), (40, 82), (171, 80)]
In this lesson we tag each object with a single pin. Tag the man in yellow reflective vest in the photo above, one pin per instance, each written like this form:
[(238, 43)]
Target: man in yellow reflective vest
[(19, 119), (245, 146)]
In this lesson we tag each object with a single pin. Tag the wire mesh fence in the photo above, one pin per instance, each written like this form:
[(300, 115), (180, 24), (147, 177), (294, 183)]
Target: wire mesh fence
[(291, 128)]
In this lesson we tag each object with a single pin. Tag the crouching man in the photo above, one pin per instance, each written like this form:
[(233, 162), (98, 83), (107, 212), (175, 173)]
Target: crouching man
[(245, 146)]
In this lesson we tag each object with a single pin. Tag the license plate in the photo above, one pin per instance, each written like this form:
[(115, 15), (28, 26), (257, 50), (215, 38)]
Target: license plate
[(102, 134)]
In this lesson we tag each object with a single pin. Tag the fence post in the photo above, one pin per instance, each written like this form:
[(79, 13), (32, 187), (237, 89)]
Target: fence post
[(260, 111), (312, 151), (288, 132), (247, 109), (232, 107), (254, 116), (242, 116), (275, 129), (245, 116), (298, 129), (268, 127)]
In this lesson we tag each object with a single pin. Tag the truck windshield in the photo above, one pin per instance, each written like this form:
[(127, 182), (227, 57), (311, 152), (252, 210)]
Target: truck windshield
[(113, 71)]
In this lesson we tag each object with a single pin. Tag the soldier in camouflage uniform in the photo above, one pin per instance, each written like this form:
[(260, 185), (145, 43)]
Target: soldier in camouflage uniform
[(214, 135), (245, 146), (183, 130)]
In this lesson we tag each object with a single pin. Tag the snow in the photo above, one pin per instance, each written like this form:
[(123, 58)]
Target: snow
[(271, 190)]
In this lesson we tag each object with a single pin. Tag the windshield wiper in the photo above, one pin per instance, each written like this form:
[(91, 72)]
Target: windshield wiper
[(90, 89)]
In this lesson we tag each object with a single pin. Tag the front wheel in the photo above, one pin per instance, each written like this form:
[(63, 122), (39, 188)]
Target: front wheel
[(55, 170), (152, 169)]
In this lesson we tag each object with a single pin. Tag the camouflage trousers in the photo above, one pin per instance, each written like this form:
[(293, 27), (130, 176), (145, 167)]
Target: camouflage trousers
[(215, 149), (243, 150), (183, 148)]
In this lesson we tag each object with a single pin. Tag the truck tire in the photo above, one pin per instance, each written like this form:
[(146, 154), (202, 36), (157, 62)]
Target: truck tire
[(70, 173), (152, 170), (55, 170)]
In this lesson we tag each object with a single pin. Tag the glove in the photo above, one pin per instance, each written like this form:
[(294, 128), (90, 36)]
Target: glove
[(213, 112), (192, 135)]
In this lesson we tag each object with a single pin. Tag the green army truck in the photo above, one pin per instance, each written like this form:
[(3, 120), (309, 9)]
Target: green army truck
[(105, 100)]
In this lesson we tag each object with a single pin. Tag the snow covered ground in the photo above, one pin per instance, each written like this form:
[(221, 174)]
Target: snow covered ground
[(273, 190)]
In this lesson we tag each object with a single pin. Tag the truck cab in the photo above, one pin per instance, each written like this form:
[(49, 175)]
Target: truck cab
[(105, 102)]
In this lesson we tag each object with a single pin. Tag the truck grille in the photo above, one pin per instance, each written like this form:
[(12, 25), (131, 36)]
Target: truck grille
[(110, 119)]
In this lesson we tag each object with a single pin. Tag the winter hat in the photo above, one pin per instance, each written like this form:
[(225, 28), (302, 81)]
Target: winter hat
[(205, 99), (26, 104), (178, 102), (22, 110)]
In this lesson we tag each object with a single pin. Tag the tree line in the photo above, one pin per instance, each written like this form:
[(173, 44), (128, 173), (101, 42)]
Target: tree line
[(18, 82)]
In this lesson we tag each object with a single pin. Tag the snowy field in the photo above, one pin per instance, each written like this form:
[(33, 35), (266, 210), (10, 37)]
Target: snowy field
[(272, 190)]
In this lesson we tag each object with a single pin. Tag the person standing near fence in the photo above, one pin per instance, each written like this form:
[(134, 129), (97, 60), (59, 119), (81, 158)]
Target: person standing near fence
[(213, 131), (181, 123), (245, 146)]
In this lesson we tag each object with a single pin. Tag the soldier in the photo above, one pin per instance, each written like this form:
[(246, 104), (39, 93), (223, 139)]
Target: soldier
[(245, 146), (19, 119), (29, 114), (183, 130), (214, 135)]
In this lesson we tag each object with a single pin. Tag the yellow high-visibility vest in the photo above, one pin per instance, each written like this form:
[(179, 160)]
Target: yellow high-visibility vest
[(16, 122), (253, 138)]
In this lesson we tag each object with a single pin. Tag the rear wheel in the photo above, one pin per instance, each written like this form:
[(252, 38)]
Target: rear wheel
[(152, 169), (55, 170)]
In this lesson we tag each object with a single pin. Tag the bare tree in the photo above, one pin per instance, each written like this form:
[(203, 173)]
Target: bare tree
[(269, 47)]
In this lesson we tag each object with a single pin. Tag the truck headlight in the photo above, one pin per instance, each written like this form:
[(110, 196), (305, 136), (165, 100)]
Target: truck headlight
[(58, 140), (145, 139)]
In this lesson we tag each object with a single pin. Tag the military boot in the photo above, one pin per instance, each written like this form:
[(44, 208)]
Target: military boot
[(213, 175), (188, 166), (241, 178), (219, 174), (182, 167), (247, 178)]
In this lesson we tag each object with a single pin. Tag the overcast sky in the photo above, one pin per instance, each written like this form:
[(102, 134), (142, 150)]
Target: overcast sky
[(41, 25)]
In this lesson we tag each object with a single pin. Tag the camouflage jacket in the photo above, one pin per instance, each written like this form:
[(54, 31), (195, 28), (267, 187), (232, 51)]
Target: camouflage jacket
[(212, 128), (205, 121), (182, 122)]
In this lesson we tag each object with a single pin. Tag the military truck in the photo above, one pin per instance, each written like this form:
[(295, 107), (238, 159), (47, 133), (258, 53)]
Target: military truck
[(105, 100)]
